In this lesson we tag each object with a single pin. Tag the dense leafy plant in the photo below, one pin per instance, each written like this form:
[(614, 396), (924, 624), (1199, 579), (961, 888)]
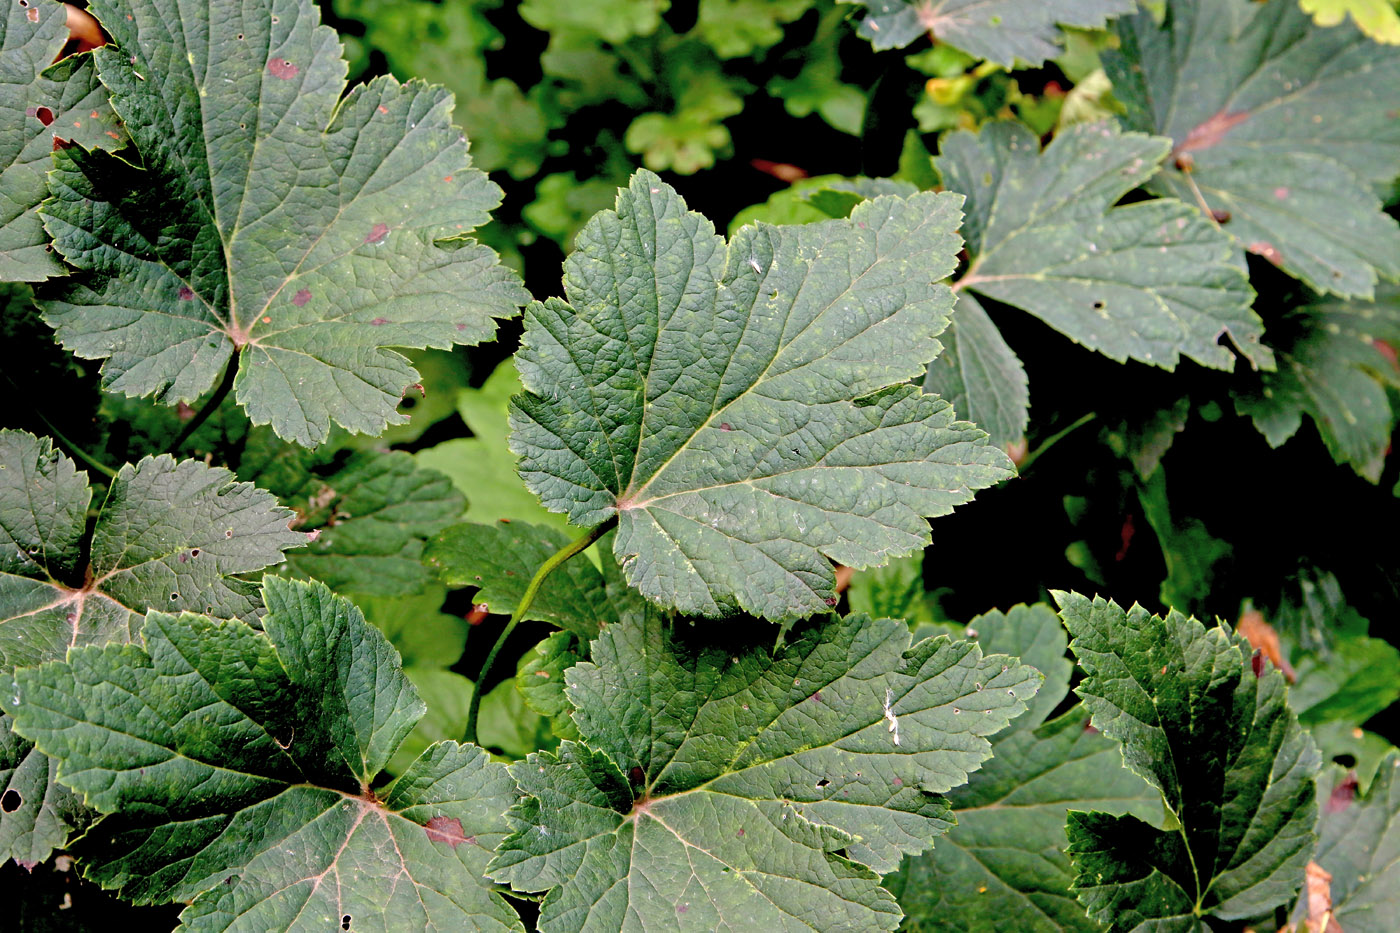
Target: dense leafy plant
[(640, 628)]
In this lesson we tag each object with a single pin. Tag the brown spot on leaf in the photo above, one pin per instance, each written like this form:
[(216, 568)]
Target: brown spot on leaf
[(44, 114), (1281, 192), (447, 829), (382, 109), (461, 327), (32, 15), (379, 232), (448, 178), (725, 426), (186, 293), (281, 68), (1219, 216), (1342, 794), (301, 297), (379, 320), (740, 832), (1256, 663), (1213, 131), (898, 782), (478, 613)]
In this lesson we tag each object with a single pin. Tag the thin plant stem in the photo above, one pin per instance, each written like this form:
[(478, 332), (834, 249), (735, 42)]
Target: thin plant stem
[(1052, 440), (578, 546), (210, 406)]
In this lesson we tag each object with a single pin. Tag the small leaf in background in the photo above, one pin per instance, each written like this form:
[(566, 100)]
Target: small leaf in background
[(735, 28), (980, 375), (1003, 866), (1218, 742), (1376, 18), (1002, 31), (1279, 127), (237, 768), (1193, 556), (894, 591), (540, 680), (42, 101), (482, 466), (723, 779), (1334, 367), (447, 696), (744, 418), (422, 634), (508, 727), (817, 85), (501, 559), (37, 815), (613, 20), (372, 519), (693, 135), (308, 276), (169, 535), (1359, 845), (1353, 748), (1349, 682)]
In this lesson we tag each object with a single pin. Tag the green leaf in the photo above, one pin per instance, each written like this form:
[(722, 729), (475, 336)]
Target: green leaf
[(42, 101), (169, 535), (1150, 281), (508, 727), (1278, 124), (1234, 768), (1349, 682), (1002, 31), (1376, 18), (817, 86), (1361, 751), (981, 375), (613, 20), (718, 782), (422, 634), (894, 591), (540, 680), (36, 814), (501, 559), (447, 696), (739, 410), (1359, 844), (734, 28), (1191, 553), (372, 519), (237, 764), (482, 466), (1332, 370), (303, 232), (1003, 866), (693, 135)]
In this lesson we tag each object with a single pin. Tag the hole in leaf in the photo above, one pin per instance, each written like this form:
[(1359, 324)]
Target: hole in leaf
[(345, 922), (45, 115), (823, 782), (11, 801), (194, 552), (1098, 306), (1346, 761), (174, 596)]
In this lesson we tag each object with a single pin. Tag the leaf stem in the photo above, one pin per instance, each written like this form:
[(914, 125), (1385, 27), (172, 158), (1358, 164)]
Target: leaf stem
[(210, 406), (577, 546), (1052, 440)]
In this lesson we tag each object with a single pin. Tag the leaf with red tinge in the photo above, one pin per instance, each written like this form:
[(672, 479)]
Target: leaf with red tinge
[(294, 221), (35, 94), (1359, 845), (1282, 128), (236, 768)]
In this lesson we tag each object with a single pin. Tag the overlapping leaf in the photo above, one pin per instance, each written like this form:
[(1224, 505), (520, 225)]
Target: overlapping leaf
[(738, 408), (1359, 844), (1376, 18), (370, 519), (1280, 127), (1333, 369), (717, 784), (36, 814), (237, 767), (270, 219), (501, 559), (1150, 281), (1002, 31), (169, 535), (39, 101), (1233, 767)]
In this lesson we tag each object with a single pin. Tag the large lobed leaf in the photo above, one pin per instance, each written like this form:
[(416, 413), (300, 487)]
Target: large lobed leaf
[(1003, 866), (270, 219), (169, 535), (738, 407), (1002, 31), (40, 100), (237, 767), (37, 815), (1218, 742), (717, 786), (1279, 126)]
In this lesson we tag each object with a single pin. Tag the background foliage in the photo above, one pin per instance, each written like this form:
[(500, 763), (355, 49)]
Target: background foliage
[(1191, 358)]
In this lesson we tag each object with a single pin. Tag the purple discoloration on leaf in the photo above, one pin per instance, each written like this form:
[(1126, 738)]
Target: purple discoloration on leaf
[(379, 232), (447, 829), (301, 297), (281, 68)]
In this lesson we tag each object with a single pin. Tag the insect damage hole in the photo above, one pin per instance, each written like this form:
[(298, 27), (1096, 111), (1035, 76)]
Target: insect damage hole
[(890, 717), (345, 922), (11, 801)]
